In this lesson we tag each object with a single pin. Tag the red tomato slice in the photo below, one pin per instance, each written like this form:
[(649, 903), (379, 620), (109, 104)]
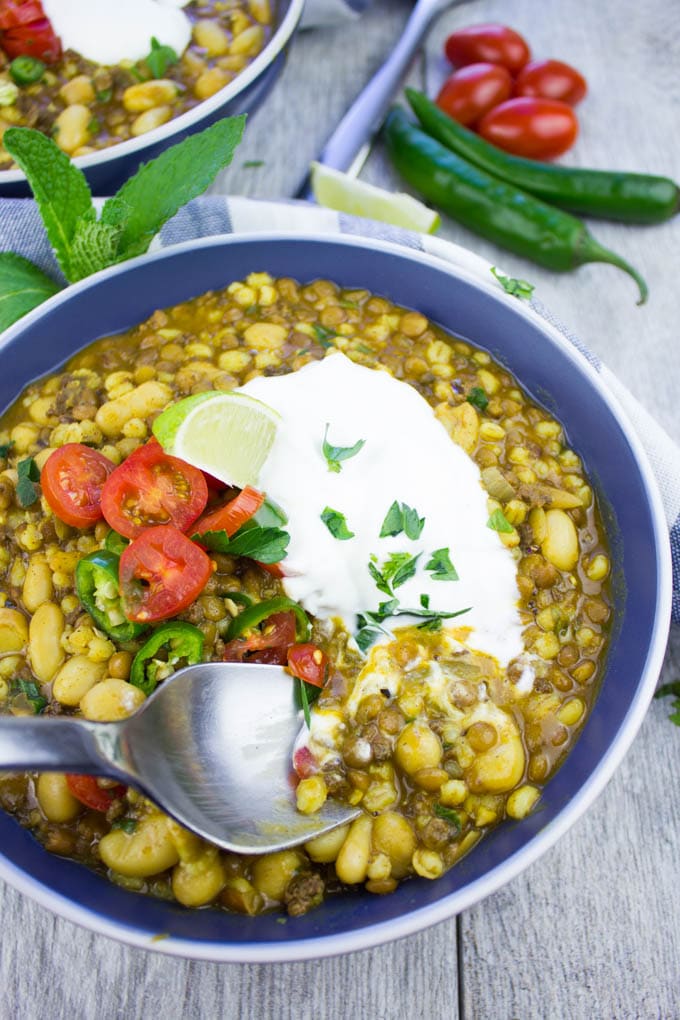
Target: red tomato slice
[(232, 515), (490, 44), (36, 39), (309, 663), (87, 790), (19, 12), (272, 568), (551, 79), (474, 90), (535, 128), (270, 644), (72, 481), (151, 488), (304, 763), (161, 573)]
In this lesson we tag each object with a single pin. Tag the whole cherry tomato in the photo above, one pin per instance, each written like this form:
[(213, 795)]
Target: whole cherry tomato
[(490, 44), (161, 573), (72, 480), (474, 90), (551, 79), (535, 128)]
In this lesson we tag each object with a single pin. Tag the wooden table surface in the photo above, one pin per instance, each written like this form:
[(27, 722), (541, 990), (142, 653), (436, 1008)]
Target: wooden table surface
[(593, 929)]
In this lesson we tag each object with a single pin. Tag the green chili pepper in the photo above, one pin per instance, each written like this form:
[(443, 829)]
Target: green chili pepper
[(611, 195), (115, 543), (177, 641), (254, 615), (98, 589), (26, 70), (239, 597), (491, 207)]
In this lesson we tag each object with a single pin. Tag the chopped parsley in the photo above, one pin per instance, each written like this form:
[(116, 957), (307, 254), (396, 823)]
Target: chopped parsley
[(126, 824), (671, 690), (499, 522), (29, 474), (517, 288), (159, 59), (266, 545), (449, 815), (441, 567), (478, 398), (336, 454), (6, 449), (397, 569), (401, 517), (336, 524), (370, 624), (31, 692), (324, 336)]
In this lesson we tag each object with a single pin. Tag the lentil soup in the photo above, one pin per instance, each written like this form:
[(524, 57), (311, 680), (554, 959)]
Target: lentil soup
[(433, 737), (86, 105)]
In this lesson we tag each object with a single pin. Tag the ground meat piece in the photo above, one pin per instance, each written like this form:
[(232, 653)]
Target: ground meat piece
[(304, 891)]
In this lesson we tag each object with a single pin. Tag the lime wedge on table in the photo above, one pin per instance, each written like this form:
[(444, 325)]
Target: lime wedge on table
[(347, 194), (229, 435)]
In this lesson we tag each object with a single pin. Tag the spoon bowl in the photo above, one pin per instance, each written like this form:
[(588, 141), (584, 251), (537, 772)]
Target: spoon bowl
[(213, 746)]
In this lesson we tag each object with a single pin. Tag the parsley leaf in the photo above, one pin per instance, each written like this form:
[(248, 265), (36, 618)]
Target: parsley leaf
[(365, 637), (441, 567), (336, 454), (381, 582), (31, 692), (336, 524), (324, 336), (499, 522), (450, 816), (126, 824), (425, 601), (478, 398), (401, 517), (400, 568), (517, 288), (673, 690), (266, 545), (160, 58), (22, 287), (29, 474), (6, 448)]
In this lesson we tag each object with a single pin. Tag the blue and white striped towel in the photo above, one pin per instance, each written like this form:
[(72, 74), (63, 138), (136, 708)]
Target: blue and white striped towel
[(21, 231), (331, 12)]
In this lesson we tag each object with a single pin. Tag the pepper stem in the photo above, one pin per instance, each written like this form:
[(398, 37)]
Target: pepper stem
[(593, 251)]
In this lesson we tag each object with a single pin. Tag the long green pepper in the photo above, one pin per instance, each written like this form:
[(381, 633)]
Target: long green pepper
[(491, 207)]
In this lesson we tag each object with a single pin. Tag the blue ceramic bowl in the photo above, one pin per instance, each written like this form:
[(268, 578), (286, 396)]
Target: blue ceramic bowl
[(557, 375), (108, 169)]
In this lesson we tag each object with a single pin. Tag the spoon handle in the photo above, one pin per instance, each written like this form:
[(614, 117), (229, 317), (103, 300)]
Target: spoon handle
[(61, 745)]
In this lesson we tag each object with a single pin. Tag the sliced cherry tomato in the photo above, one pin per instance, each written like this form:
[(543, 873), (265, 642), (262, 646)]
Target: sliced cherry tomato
[(535, 128), (474, 90), (232, 515), (551, 79), (19, 12), (270, 644), (161, 573), (36, 39), (272, 568), (214, 484), (309, 663), (489, 44), (87, 790), (151, 488), (72, 481)]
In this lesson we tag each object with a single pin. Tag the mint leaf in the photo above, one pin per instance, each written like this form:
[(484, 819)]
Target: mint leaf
[(335, 454), (164, 185), (336, 524), (441, 567), (59, 188), (22, 287), (29, 474), (499, 522), (160, 58), (266, 545), (671, 689), (401, 517), (95, 246), (478, 398), (517, 288)]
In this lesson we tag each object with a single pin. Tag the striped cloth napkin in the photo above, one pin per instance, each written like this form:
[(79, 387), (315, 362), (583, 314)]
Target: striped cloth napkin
[(21, 231), (331, 12)]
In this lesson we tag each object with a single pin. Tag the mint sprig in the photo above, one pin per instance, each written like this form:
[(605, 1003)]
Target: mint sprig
[(82, 243)]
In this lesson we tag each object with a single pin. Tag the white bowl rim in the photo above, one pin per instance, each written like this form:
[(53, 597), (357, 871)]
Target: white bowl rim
[(185, 121), (453, 904)]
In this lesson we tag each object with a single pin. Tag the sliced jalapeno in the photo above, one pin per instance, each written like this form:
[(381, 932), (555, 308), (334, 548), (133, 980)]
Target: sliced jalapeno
[(254, 615), (26, 70), (170, 644), (98, 589)]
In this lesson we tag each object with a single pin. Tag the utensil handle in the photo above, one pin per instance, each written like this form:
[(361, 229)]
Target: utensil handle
[(61, 745), (367, 113)]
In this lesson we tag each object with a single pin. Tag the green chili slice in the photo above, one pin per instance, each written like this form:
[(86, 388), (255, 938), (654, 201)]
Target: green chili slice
[(98, 589), (261, 611), (170, 644), (26, 70), (115, 543)]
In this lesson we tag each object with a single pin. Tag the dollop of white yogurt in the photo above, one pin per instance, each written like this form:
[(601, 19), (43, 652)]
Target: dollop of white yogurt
[(107, 32), (407, 456)]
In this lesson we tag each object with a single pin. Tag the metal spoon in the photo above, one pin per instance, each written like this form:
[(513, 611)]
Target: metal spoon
[(349, 145), (212, 746)]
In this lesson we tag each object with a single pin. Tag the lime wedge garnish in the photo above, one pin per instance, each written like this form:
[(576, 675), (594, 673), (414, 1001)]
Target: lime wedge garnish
[(227, 434), (349, 195)]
